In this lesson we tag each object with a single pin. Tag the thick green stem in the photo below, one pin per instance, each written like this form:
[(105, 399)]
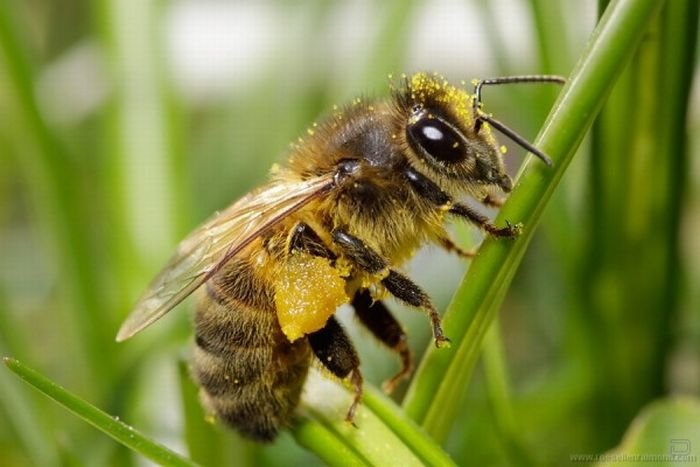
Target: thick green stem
[(438, 386), (383, 435)]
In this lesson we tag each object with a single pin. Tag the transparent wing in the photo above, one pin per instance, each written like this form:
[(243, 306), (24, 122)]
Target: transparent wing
[(209, 247)]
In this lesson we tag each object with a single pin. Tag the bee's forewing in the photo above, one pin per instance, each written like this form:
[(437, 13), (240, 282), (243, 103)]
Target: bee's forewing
[(209, 247)]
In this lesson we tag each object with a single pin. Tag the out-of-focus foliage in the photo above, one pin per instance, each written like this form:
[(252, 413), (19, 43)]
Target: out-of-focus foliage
[(124, 123)]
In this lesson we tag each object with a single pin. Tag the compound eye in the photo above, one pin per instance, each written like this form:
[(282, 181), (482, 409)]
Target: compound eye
[(438, 139)]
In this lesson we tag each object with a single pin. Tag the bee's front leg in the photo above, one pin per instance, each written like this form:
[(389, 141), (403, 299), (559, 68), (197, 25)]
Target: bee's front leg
[(427, 189), (335, 351), (475, 217), (394, 282)]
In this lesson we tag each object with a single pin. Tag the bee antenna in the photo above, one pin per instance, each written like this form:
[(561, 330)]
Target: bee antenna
[(480, 117), (516, 138)]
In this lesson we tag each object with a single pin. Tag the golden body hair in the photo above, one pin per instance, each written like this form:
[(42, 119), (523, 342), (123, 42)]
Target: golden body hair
[(359, 195), (250, 373)]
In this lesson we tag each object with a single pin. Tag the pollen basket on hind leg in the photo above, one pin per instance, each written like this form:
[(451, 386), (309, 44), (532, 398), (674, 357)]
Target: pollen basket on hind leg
[(307, 293)]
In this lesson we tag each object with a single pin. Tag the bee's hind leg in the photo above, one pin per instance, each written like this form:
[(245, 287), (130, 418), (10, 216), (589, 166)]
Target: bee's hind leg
[(394, 282), (335, 351), (377, 318)]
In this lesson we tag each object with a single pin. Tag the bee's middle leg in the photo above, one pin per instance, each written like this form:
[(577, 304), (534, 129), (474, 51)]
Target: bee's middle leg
[(452, 247), (395, 283), (335, 351), (303, 238), (377, 318)]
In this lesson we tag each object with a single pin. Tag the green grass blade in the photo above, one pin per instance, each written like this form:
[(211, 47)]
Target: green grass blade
[(139, 144), (405, 429), (498, 390), (638, 184), (55, 182), (383, 436), (437, 388), (317, 438), (112, 426), (680, 31), (22, 413), (25, 421), (552, 36)]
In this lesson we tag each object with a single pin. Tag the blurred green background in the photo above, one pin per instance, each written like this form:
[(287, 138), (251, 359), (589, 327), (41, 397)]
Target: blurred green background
[(125, 123)]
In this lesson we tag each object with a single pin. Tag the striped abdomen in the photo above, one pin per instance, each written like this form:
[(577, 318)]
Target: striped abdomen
[(250, 375)]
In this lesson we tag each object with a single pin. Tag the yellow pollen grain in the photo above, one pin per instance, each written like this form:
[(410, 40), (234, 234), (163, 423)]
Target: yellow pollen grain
[(426, 88), (503, 149)]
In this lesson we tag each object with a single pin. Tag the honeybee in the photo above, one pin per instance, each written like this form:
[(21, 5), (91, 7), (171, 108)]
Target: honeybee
[(359, 195)]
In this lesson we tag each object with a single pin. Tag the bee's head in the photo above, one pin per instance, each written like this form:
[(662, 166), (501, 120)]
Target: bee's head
[(443, 139)]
